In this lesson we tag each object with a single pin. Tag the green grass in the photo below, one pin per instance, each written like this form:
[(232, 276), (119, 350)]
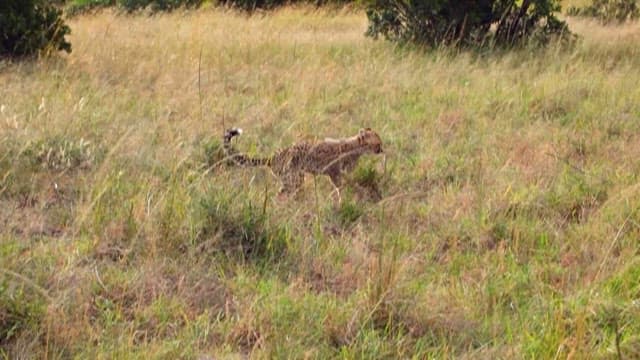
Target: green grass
[(502, 221)]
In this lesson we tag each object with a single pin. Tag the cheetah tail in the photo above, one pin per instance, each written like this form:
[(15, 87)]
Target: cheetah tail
[(230, 133), (236, 157)]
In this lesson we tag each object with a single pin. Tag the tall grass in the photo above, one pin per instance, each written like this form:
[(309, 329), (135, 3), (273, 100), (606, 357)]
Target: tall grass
[(502, 222)]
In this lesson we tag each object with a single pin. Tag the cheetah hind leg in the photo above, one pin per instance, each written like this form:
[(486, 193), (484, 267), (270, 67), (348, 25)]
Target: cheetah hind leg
[(336, 180), (336, 198), (291, 183)]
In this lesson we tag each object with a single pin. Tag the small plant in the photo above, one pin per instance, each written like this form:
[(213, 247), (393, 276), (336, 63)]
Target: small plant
[(31, 27), (368, 179), (19, 311), (212, 152), (61, 154), (574, 198), (349, 212), (111, 216), (243, 229)]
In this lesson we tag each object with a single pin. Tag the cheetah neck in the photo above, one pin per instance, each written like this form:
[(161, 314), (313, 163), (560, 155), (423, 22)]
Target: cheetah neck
[(349, 145)]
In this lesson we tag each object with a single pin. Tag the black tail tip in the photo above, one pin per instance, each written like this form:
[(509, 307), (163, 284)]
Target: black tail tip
[(230, 133)]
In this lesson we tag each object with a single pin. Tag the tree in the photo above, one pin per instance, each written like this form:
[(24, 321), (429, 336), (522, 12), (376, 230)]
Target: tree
[(29, 27)]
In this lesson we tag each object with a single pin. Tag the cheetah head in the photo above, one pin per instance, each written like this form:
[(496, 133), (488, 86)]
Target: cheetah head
[(371, 140)]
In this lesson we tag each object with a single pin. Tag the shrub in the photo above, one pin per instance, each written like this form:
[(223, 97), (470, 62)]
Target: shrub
[(438, 22), (29, 27), (608, 11)]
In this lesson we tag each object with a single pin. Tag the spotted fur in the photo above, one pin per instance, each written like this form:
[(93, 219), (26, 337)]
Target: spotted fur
[(331, 157)]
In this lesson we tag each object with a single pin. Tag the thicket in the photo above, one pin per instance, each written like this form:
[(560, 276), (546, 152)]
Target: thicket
[(608, 11), (78, 6), (29, 27), (251, 5), (467, 22)]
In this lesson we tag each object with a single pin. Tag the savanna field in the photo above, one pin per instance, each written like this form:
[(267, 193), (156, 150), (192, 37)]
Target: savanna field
[(502, 221)]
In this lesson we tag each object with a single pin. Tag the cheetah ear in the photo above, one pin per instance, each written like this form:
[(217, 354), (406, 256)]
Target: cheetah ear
[(361, 132)]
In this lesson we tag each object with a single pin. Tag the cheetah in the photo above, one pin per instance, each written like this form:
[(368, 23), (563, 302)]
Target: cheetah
[(331, 157)]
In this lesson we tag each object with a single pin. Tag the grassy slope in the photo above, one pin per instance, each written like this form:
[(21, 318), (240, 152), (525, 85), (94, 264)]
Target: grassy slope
[(508, 225)]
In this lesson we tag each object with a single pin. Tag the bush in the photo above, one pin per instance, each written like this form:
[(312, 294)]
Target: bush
[(29, 27), (608, 11), (467, 22)]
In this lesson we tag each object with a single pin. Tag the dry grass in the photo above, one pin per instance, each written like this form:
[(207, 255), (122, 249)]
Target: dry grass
[(507, 227)]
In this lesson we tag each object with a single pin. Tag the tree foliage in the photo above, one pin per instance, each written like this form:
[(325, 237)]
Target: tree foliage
[(465, 22), (29, 27)]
